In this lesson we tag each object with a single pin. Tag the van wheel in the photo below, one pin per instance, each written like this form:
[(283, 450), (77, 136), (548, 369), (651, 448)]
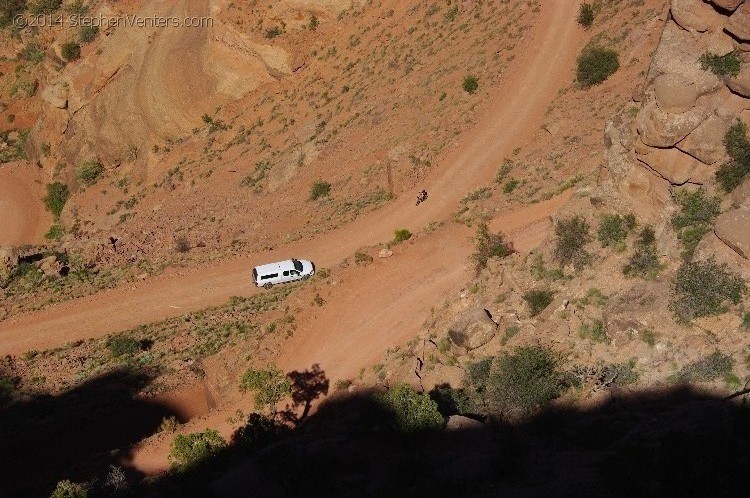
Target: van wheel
[(306, 277), (267, 286)]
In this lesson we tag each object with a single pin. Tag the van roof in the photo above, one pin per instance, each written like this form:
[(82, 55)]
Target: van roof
[(275, 267)]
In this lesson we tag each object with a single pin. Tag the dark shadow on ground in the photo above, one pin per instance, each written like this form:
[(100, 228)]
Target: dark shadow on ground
[(74, 435), (675, 442)]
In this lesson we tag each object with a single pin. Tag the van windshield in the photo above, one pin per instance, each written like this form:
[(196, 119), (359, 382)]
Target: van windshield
[(297, 265)]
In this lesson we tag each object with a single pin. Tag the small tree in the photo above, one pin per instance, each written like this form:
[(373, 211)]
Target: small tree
[(69, 489), (270, 386), (645, 260), (190, 449), (470, 84), (57, 196), (697, 214), (731, 174), (401, 235), (412, 412), (595, 65), (89, 171), (586, 15), (319, 189), (572, 236), (70, 51), (614, 229), (703, 289), (489, 245), (122, 345), (524, 380)]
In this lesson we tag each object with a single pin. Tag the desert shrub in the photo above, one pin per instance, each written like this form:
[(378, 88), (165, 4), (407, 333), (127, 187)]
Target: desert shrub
[(619, 374), (319, 189), (510, 186), (32, 52), (594, 331), (57, 196), (489, 245), (721, 65), (190, 449), (746, 321), (313, 24), (121, 345), (361, 258), (538, 300), (412, 412), (259, 430), (169, 425), (452, 401), (87, 34), (732, 173), (37, 7), (586, 15), (55, 232), (343, 384), (10, 9), (521, 381), (89, 171), (649, 337), (7, 390), (270, 386), (614, 229), (697, 214), (273, 32), (644, 262), (182, 244), (703, 288), (401, 235), (470, 84), (68, 489), (70, 51), (715, 366), (572, 236), (596, 64)]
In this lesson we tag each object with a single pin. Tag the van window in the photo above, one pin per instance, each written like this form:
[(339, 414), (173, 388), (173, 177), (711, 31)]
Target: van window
[(270, 275), (297, 265), (286, 273)]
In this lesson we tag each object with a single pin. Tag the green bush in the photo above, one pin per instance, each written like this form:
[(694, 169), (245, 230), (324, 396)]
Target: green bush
[(614, 228), (121, 345), (361, 258), (713, 367), (87, 34), (488, 246), (594, 331), (746, 321), (412, 412), (258, 430), (55, 232), (522, 381), (191, 449), (70, 51), (270, 386), (89, 171), (470, 84), (319, 189), (596, 64), (273, 32), (586, 15), (452, 401), (40, 7), (32, 52), (538, 300), (696, 216), (510, 186), (401, 235), (731, 174), (644, 262), (572, 236), (68, 489), (703, 289), (721, 65), (57, 196)]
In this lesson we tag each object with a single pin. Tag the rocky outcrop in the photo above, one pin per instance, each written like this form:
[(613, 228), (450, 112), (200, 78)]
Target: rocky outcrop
[(659, 128), (56, 95), (691, 14), (675, 93), (741, 195), (740, 84), (727, 4), (733, 228), (706, 142), (673, 165), (739, 22), (473, 329)]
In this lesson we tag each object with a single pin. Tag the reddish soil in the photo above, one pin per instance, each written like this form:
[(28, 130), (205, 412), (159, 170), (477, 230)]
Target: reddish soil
[(21, 219)]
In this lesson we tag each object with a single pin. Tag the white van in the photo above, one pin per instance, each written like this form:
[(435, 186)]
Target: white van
[(291, 270)]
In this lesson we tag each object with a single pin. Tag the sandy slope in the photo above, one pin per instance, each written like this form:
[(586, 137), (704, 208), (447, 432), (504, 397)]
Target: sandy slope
[(21, 219), (434, 265)]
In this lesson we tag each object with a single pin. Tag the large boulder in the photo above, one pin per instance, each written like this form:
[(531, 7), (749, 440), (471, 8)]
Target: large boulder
[(727, 4), (739, 22), (706, 142), (675, 93), (659, 128), (740, 84), (693, 15), (733, 228), (720, 43), (56, 95), (671, 164), (741, 195), (472, 329)]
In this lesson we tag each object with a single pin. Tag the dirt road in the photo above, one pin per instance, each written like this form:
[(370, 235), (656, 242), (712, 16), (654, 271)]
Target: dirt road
[(388, 303)]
